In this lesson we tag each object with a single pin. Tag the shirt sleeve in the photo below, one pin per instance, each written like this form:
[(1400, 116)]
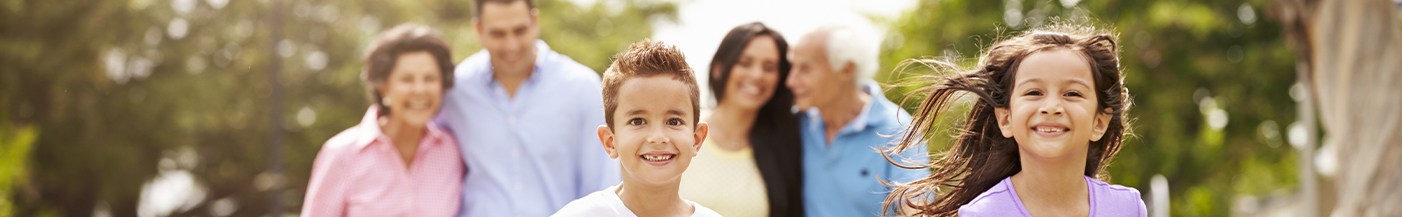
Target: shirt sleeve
[(326, 191), (596, 170)]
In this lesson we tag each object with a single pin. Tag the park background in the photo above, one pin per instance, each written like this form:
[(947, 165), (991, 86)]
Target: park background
[(218, 107)]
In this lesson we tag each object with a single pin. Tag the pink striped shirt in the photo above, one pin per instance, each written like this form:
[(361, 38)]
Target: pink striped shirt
[(359, 172)]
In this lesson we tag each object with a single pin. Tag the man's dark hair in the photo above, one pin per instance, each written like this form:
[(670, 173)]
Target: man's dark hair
[(530, 5)]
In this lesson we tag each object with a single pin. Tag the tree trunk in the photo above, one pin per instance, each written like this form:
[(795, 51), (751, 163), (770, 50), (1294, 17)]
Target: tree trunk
[(1354, 51)]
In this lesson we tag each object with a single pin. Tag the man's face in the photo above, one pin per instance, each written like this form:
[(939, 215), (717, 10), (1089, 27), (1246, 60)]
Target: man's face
[(813, 80), (508, 31)]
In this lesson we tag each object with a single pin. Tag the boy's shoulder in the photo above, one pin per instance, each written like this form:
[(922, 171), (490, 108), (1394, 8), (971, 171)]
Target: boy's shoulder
[(1000, 200), (600, 203), (702, 211)]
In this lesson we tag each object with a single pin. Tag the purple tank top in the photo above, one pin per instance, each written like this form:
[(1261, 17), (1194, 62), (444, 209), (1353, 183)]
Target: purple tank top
[(1105, 200)]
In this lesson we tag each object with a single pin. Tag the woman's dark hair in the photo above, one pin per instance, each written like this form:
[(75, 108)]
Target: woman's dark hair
[(385, 50), (775, 132), (980, 156)]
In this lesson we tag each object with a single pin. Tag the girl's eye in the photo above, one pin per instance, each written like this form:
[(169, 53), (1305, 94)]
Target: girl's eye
[(1073, 93), (674, 122), (636, 121), (1033, 93)]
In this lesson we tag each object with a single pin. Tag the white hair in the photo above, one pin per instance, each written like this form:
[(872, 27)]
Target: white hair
[(850, 44)]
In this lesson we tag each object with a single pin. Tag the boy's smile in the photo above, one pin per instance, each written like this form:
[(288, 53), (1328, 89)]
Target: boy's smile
[(653, 136)]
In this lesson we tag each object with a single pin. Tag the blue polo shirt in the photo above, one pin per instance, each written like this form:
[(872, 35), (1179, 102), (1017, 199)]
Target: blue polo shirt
[(844, 178)]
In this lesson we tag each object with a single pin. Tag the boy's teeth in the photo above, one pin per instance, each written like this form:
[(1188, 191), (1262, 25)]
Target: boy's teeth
[(657, 157)]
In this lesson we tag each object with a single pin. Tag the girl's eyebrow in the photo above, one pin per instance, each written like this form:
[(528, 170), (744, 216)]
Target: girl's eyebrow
[(1068, 81)]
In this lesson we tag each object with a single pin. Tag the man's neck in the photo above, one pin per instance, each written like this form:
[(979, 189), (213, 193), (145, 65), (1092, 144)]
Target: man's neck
[(734, 124), (512, 80), (1053, 183), (646, 200), (842, 111)]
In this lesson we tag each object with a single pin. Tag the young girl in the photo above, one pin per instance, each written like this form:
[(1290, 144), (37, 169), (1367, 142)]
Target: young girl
[(1049, 116)]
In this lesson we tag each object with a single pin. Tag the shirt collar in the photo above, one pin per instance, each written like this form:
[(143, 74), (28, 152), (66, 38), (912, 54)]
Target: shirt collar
[(369, 129), (863, 119)]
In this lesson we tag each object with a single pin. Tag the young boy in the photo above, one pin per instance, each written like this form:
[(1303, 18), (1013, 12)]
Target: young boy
[(651, 126)]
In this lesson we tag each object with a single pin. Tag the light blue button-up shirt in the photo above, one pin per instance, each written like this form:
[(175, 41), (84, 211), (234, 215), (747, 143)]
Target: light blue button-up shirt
[(841, 178), (530, 154)]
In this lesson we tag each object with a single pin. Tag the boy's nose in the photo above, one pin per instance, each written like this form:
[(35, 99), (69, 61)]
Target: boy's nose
[(657, 138)]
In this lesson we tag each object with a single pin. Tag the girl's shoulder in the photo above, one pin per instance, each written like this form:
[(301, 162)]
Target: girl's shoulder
[(1116, 200), (1000, 200)]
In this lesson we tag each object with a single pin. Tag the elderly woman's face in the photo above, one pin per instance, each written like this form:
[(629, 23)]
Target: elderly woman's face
[(414, 88)]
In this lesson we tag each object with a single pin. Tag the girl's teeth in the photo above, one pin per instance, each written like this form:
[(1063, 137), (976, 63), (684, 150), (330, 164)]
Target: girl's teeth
[(1049, 129)]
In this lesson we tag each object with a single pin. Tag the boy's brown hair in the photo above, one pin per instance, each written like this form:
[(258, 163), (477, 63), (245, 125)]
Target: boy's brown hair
[(648, 58)]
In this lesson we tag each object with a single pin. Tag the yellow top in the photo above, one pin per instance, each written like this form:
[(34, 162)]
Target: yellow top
[(726, 181)]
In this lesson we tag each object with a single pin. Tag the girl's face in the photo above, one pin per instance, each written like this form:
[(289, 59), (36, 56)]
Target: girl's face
[(1052, 109), (414, 89), (653, 137), (754, 76)]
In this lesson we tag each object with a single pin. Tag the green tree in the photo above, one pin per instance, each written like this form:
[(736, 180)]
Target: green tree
[(118, 92)]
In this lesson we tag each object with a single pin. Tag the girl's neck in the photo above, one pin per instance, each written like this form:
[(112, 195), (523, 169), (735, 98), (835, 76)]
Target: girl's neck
[(1053, 183), (733, 124), (646, 200)]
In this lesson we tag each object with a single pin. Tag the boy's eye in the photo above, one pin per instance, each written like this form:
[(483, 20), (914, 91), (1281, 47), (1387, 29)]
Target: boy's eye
[(636, 121), (674, 122)]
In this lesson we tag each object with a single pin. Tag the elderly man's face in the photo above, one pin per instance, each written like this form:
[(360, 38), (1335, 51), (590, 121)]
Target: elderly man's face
[(814, 81)]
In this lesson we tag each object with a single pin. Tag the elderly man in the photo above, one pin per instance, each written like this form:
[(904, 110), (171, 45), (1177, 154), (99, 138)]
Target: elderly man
[(844, 119)]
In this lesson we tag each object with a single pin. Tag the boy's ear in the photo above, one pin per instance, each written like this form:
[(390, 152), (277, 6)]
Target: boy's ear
[(477, 26), (1102, 123), (1004, 126), (606, 138), (701, 130)]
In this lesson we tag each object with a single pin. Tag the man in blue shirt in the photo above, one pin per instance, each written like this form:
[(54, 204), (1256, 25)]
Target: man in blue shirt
[(526, 118), (845, 121)]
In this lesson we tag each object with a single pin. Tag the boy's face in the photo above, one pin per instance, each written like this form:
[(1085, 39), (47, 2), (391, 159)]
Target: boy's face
[(653, 135)]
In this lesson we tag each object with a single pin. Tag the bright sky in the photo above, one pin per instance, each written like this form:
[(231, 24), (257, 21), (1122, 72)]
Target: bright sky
[(703, 24)]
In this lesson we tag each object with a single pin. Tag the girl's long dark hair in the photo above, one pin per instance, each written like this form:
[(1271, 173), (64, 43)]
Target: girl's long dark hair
[(980, 156), (774, 135)]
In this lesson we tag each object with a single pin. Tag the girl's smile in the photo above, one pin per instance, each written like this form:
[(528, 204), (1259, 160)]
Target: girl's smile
[(1052, 110)]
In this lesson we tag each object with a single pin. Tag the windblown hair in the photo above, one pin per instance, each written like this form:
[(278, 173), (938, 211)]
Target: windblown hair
[(980, 156), (648, 58)]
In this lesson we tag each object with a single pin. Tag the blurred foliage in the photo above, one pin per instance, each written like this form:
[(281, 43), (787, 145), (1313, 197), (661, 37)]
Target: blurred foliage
[(120, 91), (15, 143), (1210, 82)]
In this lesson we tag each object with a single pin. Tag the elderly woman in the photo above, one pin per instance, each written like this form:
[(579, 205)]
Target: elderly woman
[(395, 162)]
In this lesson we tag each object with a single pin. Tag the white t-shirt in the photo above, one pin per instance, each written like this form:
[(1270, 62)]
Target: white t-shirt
[(607, 203)]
